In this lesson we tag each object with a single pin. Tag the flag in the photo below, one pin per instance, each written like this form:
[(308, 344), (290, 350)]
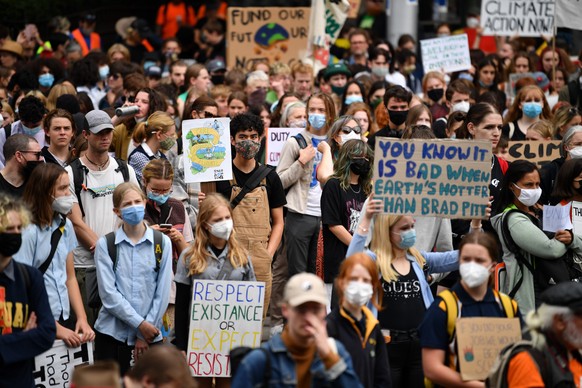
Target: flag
[(569, 13)]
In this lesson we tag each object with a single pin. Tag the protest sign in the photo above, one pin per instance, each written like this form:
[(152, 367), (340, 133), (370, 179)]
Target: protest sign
[(513, 78), (479, 341), (536, 151), (54, 368), (277, 34), (327, 18), (207, 153), (577, 217), (276, 139), (557, 218), (224, 315), (439, 178), (518, 17), (568, 14), (447, 54)]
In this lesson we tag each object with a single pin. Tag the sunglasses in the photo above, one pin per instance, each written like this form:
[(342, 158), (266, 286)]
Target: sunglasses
[(130, 99), (357, 129), (207, 115), (38, 154)]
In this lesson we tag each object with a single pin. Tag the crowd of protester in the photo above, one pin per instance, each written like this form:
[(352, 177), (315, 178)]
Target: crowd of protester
[(101, 237)]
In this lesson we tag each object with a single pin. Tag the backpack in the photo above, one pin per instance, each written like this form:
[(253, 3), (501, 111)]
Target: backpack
[(301, 141), (237, 354), (497, 377), (80, 171), (93, 298)]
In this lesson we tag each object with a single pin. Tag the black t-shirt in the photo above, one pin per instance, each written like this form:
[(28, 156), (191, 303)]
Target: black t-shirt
[(403, 306), (384, 132), (7, 188), (275, 192), (439, 128), (338, 207), (517, 135)]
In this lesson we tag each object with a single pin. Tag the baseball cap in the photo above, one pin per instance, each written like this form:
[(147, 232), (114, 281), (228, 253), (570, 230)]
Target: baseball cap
[(89, 17), (336, 68), (305, 287), (566, 294), (154, 72), (97, 120), (215, 65), (542, 80)]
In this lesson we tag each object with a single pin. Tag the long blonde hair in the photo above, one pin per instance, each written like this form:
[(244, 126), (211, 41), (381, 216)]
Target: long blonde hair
[(382, 246), (197, 257)]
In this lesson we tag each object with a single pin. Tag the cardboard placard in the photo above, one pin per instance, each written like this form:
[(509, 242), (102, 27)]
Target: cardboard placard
[(224, 315), (539, 152), (513, 78), (439, 178), (276, 139), (518, 17), (207, 153), (277, 34), (446, 55), (54, 368), (479, 341)]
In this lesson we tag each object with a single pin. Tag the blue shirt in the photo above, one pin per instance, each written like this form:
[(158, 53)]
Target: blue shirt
[(134, 291), (36, 246)]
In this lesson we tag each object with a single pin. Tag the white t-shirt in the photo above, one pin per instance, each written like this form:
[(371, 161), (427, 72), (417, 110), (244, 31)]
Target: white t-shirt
[(97, 201), (314, 193)]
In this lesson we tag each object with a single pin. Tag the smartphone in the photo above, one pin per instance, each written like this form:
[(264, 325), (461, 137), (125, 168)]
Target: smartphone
[(166, 226)]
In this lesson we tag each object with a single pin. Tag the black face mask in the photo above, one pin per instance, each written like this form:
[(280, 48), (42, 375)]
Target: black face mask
[(29, 167), (217, 79), (397, 117), (10, 243), (360, 167), (436, 94)]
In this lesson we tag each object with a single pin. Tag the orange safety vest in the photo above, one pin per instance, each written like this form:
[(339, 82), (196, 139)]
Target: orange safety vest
[(94, 39)]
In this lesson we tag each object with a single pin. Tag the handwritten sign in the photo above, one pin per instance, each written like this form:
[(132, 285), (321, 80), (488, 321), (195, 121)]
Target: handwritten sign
[(207, 153), (224, 315), (577, 217), (539, 152), (277, 34), (433, 178), (513, 79), (54, 368), (276, 139), (479, 341), (557, 218), (518, 17), (447, 54)]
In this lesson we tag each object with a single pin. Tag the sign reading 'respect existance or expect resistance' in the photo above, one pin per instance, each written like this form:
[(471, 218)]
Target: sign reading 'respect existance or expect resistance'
[(433, 178), (224, 315)]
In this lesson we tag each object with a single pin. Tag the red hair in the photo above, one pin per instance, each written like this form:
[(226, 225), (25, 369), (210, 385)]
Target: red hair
[(370, 265)]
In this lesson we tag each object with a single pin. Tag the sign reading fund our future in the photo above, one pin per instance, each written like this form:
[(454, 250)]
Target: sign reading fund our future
[(439, 178), (224, 315)]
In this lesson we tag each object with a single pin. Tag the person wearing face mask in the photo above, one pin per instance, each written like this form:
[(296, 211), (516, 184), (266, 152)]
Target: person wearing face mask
[(31, 112), (23, 296), (85, 35), (529, 106), (457, 99), (478, 254), (337, 76), (355, 326), (216, 254), (355, 92), (379, 63), (434, 88), (294, 115), (397, 101), (342, 199), (136, 288), (155, 136), (406, 292), (48, 244), (23, 155), (531, 257)]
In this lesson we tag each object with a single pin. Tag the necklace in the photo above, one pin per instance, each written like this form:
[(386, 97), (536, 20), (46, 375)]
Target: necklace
[(99, 166), (352, 188)]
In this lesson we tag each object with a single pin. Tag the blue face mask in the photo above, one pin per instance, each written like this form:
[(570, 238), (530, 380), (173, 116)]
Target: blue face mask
[(353, 98), (316, 120), (160, 199), (30, 131), (408, 239), (484, 85), (133, 215), (46, 80), (103, 72), (532, 109)]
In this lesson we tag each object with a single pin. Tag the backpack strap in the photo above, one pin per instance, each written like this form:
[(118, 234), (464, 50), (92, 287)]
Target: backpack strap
[(55, 238), (453, 310), (301, 141), (158, 239), (122, 168), (252, 183), (111, 248), (506, 303), (79, 172), (8, 130)]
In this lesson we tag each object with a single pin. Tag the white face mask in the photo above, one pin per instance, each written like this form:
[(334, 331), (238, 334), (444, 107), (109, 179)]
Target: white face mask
[(350, 136), (529, 197), (576, 152), (472, 22), (222, 229), (63, 205), (358, 293), (473, 274), (462, 106)]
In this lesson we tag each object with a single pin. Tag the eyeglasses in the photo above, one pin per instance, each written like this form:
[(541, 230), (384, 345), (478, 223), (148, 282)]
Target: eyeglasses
[(38, 154), (114, 76), (207, 115), (130, 99), (162, 191), (357, 129)]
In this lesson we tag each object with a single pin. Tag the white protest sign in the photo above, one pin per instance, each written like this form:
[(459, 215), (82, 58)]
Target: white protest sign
[(557, 218), (447, 54), (54, 368), (568, 14), (224, 315), (207, 154), (577, 217), (276, 139), (518, 17)]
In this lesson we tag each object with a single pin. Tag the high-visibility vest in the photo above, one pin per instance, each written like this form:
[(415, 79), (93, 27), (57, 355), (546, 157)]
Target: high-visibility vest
[(94, 40)]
